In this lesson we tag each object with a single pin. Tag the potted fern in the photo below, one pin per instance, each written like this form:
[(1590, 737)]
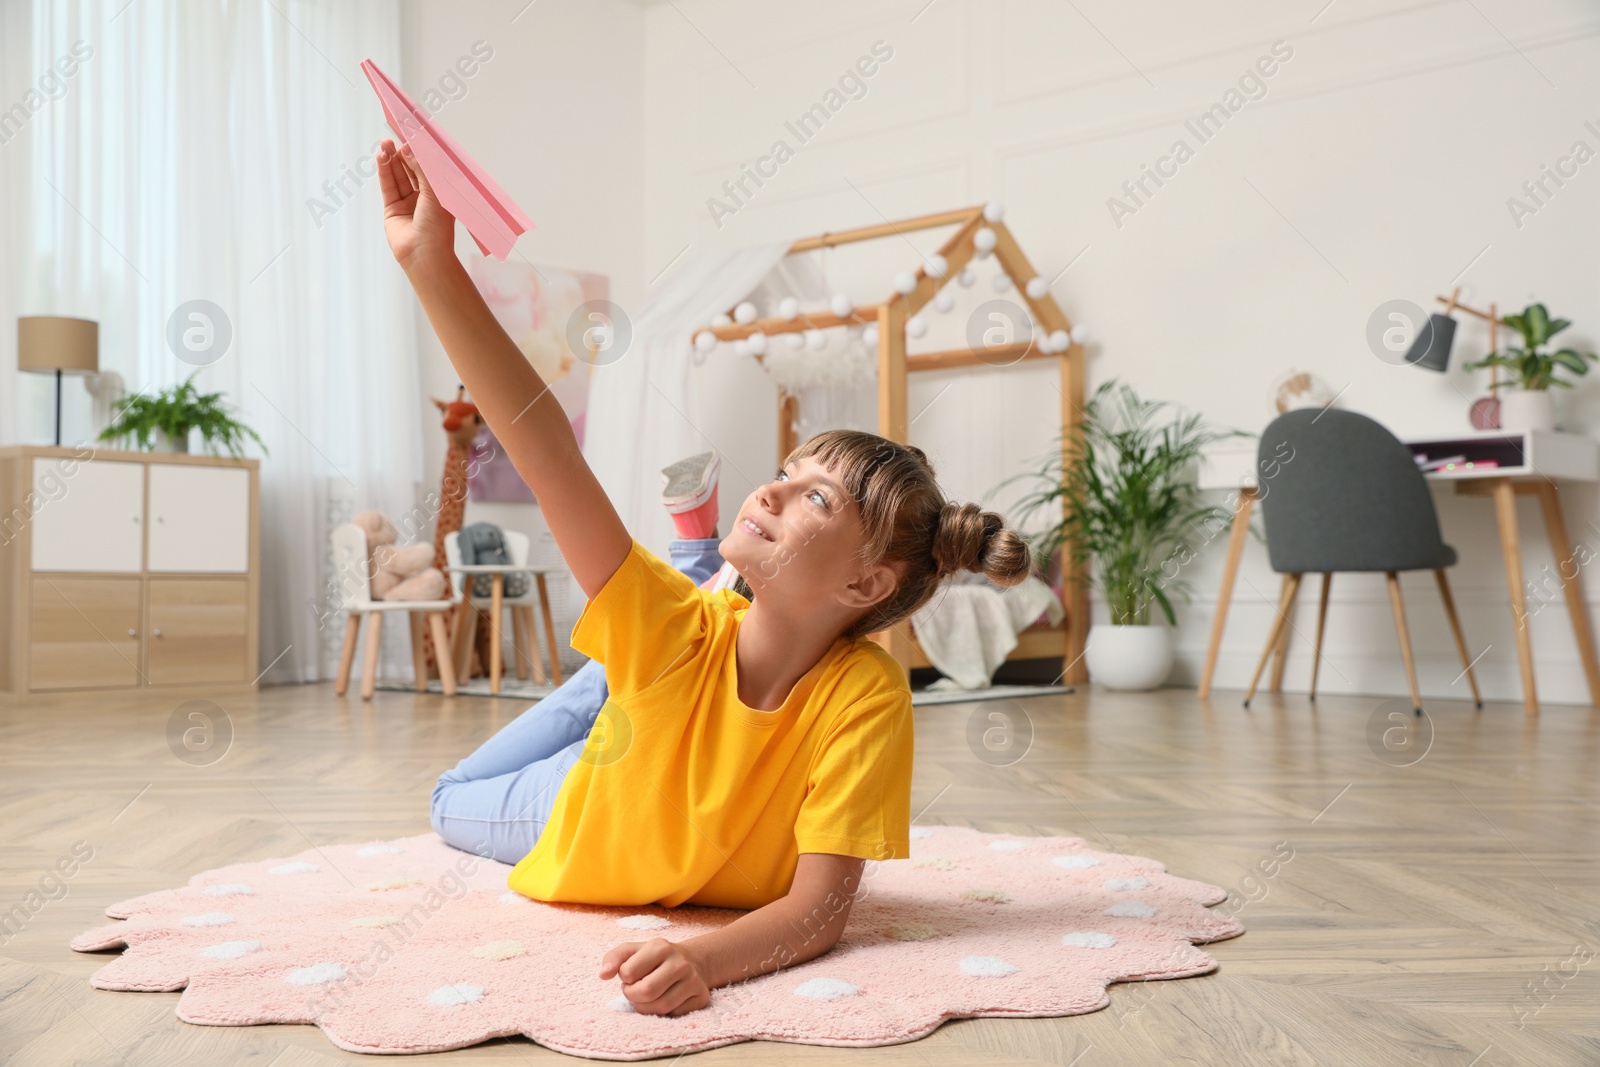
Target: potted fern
[(162, 422), (1533, 370), (1122, 498)]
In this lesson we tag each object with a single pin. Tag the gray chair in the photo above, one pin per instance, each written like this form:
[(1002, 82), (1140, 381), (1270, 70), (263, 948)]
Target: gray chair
[(1341, 493)]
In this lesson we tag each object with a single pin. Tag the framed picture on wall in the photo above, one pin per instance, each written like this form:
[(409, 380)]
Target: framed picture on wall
[(536, 306)]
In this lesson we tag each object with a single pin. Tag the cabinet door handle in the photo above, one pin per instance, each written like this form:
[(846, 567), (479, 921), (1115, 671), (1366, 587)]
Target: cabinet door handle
[(158, 631), (136, 520), (132, 632)]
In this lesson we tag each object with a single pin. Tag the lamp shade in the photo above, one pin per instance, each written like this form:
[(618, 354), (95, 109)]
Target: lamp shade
[(57, 343), (1431, 348)]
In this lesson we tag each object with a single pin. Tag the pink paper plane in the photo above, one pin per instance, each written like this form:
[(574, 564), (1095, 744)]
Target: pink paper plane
[(462, 186)]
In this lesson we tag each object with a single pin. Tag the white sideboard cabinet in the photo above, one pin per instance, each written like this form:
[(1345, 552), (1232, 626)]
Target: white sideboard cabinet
[(127, 570)]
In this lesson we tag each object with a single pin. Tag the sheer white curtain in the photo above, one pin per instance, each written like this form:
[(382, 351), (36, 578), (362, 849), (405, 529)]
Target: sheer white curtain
[(221, 152)]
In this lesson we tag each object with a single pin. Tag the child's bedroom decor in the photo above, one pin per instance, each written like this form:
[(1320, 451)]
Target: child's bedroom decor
[(484, 542), (536, 306), (462, 424), (399, 572), (788, 333), (161, 422), (411, 946), (1132, 507), (363, 568)]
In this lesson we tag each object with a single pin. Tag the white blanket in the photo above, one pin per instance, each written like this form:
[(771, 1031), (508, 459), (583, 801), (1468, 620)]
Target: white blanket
[(971, 625)]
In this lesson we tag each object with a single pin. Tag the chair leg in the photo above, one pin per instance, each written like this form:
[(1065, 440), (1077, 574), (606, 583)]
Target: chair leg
[(1280, 655), (496, 621), (347, 655), (518, 638), (1405, 639), (1322, 621), (419, 655), (549, 628), (447, 670), (1291, 586), (1455, 628), (530, 642), (369, 662)]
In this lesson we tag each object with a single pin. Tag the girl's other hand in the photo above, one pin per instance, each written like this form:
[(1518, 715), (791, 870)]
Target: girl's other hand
[(658, 977), (416, 224)]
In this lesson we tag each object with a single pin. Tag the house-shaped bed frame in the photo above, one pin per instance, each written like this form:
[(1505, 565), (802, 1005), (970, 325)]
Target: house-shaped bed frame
[(1067, 640)]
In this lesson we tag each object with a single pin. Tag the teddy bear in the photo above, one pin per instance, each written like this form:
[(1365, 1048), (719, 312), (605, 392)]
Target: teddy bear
[(399, 572)]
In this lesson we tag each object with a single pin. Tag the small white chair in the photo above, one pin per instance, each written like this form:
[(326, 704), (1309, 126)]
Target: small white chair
[(522, 636), (352, 570)]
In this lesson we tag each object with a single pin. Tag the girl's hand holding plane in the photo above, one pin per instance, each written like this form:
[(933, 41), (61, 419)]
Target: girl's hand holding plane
[(417, 225)]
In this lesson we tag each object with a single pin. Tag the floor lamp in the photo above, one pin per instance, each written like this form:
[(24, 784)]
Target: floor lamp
[(54, 343)]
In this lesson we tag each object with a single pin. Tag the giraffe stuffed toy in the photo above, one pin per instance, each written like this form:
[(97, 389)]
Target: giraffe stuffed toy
[(462, 422)]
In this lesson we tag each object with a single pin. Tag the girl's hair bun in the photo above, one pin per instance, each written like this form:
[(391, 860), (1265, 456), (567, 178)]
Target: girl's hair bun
[(971, 539)]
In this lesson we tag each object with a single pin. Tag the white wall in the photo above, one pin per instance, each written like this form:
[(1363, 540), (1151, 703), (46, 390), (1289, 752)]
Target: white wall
[(1377, 166), (556, 116)]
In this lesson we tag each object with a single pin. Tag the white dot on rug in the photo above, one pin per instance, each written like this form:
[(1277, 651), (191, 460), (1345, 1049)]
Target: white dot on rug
[(229, 889), (919, 832), (392, 883), (230, 950), (208, 918), (621, 1004), (1007, 845), (643, 922), (1131, 909), (453, 996), (511, 896), (910, 931), (316, 974), (1088, 939), (377, 922), (938, 863), (989, 896), (378, 850), (825, 989), (500, 950), (986, 967), (1124, 884), (1075, 863), (297, 867)]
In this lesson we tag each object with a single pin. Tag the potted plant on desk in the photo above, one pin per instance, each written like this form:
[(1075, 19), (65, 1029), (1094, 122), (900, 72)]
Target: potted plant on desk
[(1123, 497), (1533, 370)]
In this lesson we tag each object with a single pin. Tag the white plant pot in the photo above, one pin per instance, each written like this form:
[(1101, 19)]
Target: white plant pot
[(1527, 409), (160, 442), (1129, 657)]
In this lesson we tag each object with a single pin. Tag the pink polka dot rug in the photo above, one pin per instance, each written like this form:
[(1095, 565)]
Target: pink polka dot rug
[(412, 946)]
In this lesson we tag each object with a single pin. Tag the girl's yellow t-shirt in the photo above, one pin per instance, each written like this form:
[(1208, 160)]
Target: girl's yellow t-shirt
[(684, 794)]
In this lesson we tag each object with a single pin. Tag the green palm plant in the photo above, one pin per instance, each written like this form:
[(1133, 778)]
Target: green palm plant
[(1122, 495), (175, 412), (1530, 367)]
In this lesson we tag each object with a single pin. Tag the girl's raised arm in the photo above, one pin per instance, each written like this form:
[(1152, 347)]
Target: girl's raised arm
[(514, 400)]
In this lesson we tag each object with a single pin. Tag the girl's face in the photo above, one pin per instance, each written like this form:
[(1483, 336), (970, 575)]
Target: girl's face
[(798, 540)]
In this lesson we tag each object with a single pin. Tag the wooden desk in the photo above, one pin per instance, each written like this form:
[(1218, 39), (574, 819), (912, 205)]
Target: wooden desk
[(1529, 464), (465, 628)]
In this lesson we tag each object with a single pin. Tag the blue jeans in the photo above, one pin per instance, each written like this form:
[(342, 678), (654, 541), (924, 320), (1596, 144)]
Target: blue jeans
[(496, 802)]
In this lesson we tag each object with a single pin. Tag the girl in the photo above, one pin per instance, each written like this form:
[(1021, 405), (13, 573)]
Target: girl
[(753, 753)]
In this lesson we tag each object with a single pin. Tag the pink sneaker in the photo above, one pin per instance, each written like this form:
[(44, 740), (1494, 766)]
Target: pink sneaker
[(690, 494)]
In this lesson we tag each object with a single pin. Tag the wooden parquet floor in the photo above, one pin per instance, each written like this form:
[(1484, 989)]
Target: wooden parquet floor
[(1445, 912)]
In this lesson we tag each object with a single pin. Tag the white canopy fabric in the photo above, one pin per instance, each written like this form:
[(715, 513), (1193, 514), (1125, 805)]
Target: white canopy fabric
[(643, 412)]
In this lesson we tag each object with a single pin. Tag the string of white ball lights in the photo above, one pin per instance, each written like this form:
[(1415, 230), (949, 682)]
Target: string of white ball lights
[(856, 343)]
